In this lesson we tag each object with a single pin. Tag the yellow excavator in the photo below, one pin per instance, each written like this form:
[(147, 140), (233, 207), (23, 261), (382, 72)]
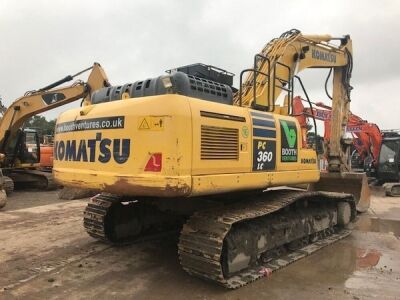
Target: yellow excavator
[(188, 147), (20, 147)]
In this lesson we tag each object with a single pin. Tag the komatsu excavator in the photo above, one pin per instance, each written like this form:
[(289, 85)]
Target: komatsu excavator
[(185, 145), (19, 156)]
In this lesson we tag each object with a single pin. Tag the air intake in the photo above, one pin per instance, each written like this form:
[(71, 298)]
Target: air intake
[(219, 143)]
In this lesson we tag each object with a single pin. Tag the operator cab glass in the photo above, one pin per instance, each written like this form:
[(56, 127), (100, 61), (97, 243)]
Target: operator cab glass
[(389, 159), (23, 147), (30, 150), (389, 152)]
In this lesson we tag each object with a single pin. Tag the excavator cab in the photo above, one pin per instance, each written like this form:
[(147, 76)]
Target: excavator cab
[(389, 160), (30, 147), (21, 160), (388, 170), (23, 149)]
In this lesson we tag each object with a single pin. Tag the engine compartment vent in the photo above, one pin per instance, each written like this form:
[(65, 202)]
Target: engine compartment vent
[(219, 143)]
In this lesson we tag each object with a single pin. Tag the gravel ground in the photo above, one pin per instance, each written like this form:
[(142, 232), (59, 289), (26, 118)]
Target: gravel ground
[(46, 254)]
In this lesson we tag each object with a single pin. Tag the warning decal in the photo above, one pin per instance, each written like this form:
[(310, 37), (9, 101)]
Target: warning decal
[(144, 124), (151, 123)]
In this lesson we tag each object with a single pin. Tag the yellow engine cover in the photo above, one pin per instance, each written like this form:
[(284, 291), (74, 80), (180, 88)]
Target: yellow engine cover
[(173, 145)]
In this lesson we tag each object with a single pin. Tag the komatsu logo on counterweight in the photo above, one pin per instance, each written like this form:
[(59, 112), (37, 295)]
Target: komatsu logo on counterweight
[(91, 150)]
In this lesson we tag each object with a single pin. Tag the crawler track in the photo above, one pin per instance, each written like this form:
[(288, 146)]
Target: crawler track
[(8, 185), (34, 178), (45, 179), (95, 216), (201, 242), (113, 219)]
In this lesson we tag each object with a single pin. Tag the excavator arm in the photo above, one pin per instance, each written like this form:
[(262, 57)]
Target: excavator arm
[(367, 136), (47, 98), (275, 70)]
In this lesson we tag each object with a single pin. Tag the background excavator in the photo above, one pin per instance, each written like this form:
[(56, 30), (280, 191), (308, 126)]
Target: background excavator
[(377, 152), (20, 154), (186, 146), (366, 136), (46, 153)]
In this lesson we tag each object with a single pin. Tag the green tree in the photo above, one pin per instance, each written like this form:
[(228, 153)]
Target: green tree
[(41, 125)]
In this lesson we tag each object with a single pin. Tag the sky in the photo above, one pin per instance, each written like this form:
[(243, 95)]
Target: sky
[(45, 40)]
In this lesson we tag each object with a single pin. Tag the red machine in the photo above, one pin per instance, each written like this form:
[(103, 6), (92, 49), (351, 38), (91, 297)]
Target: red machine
[(46, 153), (367, 137), (46, 157)]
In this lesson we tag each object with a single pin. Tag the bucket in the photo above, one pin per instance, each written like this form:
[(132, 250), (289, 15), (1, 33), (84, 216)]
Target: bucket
[(349, 183)]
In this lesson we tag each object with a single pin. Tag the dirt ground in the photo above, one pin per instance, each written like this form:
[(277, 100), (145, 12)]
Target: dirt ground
[(46, 254)]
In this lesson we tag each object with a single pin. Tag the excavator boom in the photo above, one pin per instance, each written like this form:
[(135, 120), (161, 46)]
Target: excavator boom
[(274, 72), (17, 162), (47, 98)]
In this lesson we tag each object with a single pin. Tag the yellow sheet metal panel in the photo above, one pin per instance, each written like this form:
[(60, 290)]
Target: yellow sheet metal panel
[(135, 185), (202, 185), (221, 138), (109, 139)]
